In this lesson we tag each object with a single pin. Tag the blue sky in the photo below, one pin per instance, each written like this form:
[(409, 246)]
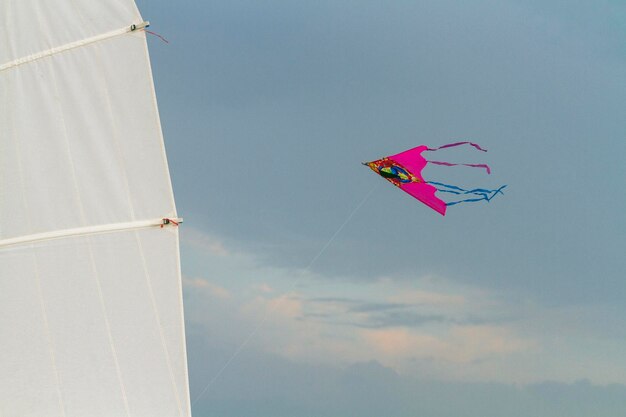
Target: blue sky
[(509, 308)]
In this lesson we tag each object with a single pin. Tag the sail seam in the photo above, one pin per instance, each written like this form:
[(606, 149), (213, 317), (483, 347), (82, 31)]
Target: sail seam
[(96, 273), (107, 325), (48, 334), (68, 46), (84, 231), (42, 299), (157, 317), (181, 309)]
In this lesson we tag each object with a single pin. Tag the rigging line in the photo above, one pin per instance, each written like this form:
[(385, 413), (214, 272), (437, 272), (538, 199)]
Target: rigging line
[(283, 297), (157, 35)]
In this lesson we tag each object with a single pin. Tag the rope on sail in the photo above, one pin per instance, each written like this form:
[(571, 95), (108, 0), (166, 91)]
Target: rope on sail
[(89, 230), (72, 45)]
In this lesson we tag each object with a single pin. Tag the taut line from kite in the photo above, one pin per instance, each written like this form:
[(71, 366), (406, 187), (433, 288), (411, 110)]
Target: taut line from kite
[(283, 297)]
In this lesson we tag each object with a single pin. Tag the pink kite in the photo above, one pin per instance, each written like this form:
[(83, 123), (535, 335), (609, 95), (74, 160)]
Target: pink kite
[(404, 170)]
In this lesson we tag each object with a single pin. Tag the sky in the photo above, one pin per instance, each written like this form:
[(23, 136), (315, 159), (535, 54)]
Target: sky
[(314, 288)]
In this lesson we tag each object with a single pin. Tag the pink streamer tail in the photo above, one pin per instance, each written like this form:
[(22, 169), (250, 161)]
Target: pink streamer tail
[(467, 165), (450, 145)]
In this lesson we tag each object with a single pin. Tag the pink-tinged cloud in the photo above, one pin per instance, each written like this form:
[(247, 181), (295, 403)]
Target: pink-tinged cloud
[(429, 298), (203, 242), (478, 341), (265, 288), (402, 342), (286, 306), (460, 344), (201, 284)]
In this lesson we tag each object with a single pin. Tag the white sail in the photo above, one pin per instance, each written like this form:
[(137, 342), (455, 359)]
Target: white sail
[(91, 317)]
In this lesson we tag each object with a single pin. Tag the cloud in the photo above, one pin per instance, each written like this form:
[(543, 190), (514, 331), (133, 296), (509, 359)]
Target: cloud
[(201, 284), (269, 385), (430, 298), (402, 342), (459, 344), (429, 325), (340, 330), (284, 306), (265, 288), (405, 319), (476, 342), (406, 307), (358, 313), (203, 241)]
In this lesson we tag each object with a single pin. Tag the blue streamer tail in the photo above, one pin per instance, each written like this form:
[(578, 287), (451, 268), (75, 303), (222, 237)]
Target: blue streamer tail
[(481, 193)]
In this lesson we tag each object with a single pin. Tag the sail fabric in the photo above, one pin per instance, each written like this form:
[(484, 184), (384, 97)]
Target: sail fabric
[(87, 145), (99, 338), (90, 325)]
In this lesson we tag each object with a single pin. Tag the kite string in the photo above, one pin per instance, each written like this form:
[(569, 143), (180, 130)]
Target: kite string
[(282, 298)]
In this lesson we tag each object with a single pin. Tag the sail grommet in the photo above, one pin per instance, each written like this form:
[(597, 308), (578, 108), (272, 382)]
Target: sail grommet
[(175, 222), (136, 26)]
